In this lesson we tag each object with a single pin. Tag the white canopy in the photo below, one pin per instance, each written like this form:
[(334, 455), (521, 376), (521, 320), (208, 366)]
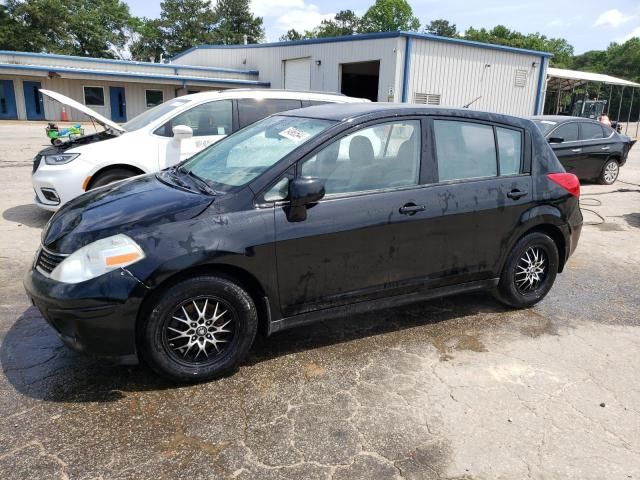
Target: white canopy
[(568, 79)]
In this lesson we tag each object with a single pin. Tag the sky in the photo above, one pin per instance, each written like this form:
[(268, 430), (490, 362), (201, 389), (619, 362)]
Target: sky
[(586, 24)]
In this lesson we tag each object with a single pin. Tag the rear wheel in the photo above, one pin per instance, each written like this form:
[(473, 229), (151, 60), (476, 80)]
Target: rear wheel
[(199, 329), (529, 272), (609, 173), (110, 176)]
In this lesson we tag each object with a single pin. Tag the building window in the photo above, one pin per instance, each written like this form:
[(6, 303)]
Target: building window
[(94, 96), (154, 97)]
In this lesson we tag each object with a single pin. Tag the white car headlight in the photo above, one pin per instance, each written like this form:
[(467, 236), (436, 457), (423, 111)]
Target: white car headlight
[(60, 158), (98, 258)]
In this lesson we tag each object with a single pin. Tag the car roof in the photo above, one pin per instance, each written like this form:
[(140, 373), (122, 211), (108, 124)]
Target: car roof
[(270, 93), (561, 118), (350, 111)]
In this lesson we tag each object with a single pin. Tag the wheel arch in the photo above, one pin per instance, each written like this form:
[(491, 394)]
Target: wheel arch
[(116, 166), (236, 274)]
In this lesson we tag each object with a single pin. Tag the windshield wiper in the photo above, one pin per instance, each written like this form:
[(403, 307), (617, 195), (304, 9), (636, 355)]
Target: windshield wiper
[(171, 172), (200, 182)]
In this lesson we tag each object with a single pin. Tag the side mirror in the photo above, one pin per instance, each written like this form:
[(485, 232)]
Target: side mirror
[(182, 132), (302, 193), (556, 139)]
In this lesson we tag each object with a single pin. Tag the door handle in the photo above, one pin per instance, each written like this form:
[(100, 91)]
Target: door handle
[(576, 150), (411, 209), (604, 148), (516, 194)]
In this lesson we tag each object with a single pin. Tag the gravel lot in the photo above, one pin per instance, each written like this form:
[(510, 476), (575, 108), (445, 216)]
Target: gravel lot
[(459, 388)]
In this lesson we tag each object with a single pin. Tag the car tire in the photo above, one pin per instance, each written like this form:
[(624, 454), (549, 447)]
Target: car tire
[(529, 271), (110, 176), (198, 330), (610, 172)]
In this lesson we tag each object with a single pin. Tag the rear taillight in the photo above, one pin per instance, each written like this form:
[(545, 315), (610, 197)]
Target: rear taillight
[(568, 181)]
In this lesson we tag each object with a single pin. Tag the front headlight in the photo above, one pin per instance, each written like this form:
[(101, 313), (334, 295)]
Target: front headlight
[(98, 258), (60, 158)]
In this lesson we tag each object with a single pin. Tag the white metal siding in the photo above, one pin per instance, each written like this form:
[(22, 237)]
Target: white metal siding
[(325, 77), (459, 73), (297, 74)]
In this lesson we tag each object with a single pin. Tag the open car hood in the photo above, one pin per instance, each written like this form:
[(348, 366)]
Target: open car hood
[(70, 102)]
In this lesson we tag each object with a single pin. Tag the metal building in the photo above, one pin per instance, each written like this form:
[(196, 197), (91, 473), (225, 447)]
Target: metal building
[(117, 89), (393, 66)]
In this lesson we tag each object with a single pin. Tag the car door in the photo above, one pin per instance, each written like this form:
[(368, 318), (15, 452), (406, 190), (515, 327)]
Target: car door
[(484, 186), (347, 248), (209, 121), (569, 152), (595, 148)]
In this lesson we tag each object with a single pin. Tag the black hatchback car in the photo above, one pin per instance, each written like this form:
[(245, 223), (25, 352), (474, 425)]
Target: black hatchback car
[(316, 213), (586, 148)]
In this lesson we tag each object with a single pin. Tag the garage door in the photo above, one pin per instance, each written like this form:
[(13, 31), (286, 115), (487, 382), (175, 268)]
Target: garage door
[(297, 74)]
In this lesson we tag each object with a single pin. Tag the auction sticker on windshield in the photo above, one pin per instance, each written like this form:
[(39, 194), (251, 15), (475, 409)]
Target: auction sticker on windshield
[(292, 133)]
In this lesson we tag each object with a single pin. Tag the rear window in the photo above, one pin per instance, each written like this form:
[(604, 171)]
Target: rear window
[(251, 110), (591, 131), (464, 150), (568, 132)]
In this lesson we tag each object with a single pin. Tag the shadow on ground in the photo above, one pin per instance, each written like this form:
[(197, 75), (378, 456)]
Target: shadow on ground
[(28, 215), (37, 364)]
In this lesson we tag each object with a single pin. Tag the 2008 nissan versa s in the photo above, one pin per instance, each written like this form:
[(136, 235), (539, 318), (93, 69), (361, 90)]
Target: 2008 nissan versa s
[(302, 216)]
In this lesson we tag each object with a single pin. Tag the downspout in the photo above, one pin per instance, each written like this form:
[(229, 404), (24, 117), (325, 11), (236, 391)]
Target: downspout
[(541, 79), (407, 69)]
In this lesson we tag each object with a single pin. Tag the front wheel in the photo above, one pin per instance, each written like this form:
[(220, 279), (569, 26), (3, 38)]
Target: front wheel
[(110, 176), (198, 329), (529, 272), (609, 173)]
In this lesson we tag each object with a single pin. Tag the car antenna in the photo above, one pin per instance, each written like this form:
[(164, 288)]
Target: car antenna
[(472, 102)]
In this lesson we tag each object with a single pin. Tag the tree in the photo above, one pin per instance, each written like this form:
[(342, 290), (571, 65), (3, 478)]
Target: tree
[(501, 35), (389, 16), (624, 59), (184, 24), (148, 41), (345, 22), (96, 28), (591, 61), (442, 28), (292, 34), (237, 22)]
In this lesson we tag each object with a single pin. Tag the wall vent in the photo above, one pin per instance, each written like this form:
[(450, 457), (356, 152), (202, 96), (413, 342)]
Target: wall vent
[(520, 79), (427, 98)]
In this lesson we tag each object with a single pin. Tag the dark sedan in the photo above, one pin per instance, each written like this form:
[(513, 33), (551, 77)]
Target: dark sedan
[(304, 216), (586, 148)]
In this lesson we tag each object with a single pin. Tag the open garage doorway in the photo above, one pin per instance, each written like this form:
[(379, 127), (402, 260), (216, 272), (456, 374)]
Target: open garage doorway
[(360, 79)]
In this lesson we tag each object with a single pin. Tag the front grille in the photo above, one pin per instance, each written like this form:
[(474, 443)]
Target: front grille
[(36, 162), (47, 260)]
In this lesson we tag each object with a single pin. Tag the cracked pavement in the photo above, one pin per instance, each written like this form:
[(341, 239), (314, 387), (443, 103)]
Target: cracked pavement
[(460, 388)]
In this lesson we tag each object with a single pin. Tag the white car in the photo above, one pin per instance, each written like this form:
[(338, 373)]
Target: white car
[(155, 139)]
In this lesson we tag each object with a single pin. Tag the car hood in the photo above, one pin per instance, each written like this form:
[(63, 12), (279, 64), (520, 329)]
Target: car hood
[(117, 208), (70, 102)]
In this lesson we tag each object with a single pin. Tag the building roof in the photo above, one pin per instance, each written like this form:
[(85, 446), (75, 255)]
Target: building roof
[(370, 36), (568, 79)]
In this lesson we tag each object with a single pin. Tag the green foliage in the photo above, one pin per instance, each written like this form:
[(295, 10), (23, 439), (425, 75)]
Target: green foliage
[(388, 16), (624, 59), (76, 27), (291, 35), (501, 35), (345, 22), (235, 22), (442, 28)]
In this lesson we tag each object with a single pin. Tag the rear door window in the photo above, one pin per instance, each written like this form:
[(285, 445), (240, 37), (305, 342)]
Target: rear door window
[(251, 110), (568, 132), (465, 150), (591, 131)]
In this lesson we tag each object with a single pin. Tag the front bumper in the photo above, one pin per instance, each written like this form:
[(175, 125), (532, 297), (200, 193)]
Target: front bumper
[(66, 181), (96, 317)]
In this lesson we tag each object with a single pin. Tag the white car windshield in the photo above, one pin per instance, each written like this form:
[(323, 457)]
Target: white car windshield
[(241, 157), (153, 114)]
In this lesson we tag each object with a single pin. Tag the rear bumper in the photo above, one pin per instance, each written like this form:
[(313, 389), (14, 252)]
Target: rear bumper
[(96, 317)]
